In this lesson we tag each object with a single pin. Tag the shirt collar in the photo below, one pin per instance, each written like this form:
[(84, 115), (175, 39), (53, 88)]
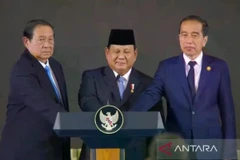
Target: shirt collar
[(125, 76), (198, 59), (44, 64)]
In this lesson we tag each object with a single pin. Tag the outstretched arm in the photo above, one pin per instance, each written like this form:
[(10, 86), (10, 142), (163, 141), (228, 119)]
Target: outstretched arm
[(24, 83), (87, 95), (153, 93)]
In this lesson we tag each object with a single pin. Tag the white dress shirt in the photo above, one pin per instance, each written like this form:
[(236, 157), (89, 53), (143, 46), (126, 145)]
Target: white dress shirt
[(125, 76), (197, 67)]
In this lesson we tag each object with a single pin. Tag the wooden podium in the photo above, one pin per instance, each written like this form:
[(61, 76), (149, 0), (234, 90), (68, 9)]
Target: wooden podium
[(105, 146), (107, 154)]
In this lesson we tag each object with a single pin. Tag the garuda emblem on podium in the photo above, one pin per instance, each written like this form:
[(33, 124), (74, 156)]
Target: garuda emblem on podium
[(109, 119)]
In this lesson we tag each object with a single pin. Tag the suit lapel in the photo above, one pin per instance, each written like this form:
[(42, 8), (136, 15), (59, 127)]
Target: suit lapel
[(59, 79), (203, 76), (42, 75), (111, 82), (182, 78), (133, 80)]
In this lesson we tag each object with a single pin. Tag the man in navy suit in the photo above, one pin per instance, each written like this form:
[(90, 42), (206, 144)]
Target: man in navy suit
[(103, 85), (197, 89), (37, 93)]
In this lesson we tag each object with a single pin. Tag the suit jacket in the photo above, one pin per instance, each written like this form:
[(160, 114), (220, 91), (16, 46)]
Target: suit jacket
[(31, 112), (210, 116), (99, 86)]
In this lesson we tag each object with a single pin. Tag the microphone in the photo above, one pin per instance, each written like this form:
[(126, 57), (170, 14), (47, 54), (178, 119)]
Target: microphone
[(108, 102), (109, 97), (110, 93)]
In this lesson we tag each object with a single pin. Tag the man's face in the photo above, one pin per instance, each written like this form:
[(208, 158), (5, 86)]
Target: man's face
[(121, 58), (41, 45), (191, 38)]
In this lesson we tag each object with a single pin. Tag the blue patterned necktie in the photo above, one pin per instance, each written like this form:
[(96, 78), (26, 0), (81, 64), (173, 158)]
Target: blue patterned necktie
[(191, 79), (121, 85), (48, 70)]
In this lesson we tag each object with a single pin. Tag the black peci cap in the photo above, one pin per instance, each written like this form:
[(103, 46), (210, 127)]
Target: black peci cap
[(121, 37)]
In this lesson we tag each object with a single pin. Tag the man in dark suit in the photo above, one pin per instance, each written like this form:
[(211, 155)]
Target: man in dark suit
[(37, 93), (197, 89), (118, 84)]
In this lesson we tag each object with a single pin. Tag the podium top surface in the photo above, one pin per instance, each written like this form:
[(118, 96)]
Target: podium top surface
[(83, 122), (82, 125)]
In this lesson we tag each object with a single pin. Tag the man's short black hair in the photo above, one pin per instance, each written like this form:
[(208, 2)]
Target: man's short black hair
[(199, 19), (32, 24)]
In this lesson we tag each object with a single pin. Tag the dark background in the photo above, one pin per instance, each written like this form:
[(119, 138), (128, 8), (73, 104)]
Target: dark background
[(82, 29)]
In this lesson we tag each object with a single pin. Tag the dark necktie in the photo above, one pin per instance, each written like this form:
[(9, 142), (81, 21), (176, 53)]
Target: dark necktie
[(191, 80)]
